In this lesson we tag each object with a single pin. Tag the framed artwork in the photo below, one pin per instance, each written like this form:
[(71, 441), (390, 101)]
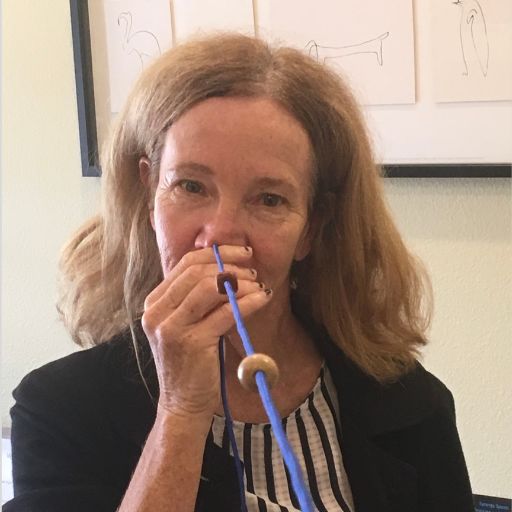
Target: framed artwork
[(395, 119)]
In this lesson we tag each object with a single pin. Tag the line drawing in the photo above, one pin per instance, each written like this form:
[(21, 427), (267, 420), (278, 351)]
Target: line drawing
[(474, 42), (372, 46), (143, 43)]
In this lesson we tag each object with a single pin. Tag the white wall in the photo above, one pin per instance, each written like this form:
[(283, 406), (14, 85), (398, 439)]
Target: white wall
[(462, 231), (460, 228), (44, 197)]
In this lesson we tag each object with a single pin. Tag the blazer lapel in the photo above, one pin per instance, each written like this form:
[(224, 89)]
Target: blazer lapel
[(379, 480), (218, 486)]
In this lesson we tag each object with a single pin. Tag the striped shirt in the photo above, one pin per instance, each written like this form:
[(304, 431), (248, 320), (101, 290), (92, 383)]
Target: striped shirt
[(314, 435)]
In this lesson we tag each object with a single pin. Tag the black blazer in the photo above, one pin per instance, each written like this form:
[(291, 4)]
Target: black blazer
[(79, 425)]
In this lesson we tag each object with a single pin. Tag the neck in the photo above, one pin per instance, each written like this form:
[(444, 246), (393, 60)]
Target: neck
[(275, 332)]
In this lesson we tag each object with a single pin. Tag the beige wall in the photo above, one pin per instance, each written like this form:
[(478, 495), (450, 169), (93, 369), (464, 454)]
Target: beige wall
[(44, 197), (461, 229)]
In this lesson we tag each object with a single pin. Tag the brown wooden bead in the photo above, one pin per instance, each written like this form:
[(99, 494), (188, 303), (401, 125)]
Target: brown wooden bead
[(251, 364), (222, 277)]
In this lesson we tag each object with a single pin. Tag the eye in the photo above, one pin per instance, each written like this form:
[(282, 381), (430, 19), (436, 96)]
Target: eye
[(272, 200), (192, 187)]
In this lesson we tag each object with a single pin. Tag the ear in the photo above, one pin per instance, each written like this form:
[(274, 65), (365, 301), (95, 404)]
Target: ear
[(144, 170), (145, 178)]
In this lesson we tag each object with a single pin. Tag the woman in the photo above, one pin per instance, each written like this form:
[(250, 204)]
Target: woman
[(263, 152)]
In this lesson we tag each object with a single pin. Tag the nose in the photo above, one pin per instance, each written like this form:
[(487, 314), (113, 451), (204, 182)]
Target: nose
[(226, 225)]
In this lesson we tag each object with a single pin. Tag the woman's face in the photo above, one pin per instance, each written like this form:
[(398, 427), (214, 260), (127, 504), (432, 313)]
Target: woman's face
[(235, 171)]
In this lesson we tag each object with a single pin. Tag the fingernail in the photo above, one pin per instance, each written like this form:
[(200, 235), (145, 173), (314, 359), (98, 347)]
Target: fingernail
[(248, 249), (253, 272), (268, 291), (261, 285)]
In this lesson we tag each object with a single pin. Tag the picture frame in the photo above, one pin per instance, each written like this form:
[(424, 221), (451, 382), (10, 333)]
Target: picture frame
[(89, 146)]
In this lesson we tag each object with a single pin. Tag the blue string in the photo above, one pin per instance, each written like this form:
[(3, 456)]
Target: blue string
[(229, 424), (240, 327), (298, 484)]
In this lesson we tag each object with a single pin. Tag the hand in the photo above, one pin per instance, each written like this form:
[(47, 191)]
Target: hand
[(185, 315)]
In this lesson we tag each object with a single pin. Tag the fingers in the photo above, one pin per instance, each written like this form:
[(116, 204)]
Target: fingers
[(205, 298), (217, 323), (233, 254), (174, 293), (230, 254), (222, 320)]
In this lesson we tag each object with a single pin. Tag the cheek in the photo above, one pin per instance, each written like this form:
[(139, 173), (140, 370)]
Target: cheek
[(174, 236), (276, 252)]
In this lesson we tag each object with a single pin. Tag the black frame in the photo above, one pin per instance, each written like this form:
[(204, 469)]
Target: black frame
[(84, 87), (89, 137)]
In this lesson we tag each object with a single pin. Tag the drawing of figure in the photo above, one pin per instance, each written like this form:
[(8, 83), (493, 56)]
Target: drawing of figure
[(142, 43), (336, 52), (473, 37)]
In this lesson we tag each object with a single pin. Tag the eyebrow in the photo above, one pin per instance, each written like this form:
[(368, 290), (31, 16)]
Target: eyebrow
[(267, 181), (191, 166)]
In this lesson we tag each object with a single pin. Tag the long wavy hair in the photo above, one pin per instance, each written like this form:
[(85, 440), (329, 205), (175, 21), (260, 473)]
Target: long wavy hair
[(359, 281)]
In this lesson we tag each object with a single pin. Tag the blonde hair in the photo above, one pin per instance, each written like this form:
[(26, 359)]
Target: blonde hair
[(359, 281)]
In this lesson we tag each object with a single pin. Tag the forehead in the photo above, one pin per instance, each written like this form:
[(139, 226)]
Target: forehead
[(233, 134)]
